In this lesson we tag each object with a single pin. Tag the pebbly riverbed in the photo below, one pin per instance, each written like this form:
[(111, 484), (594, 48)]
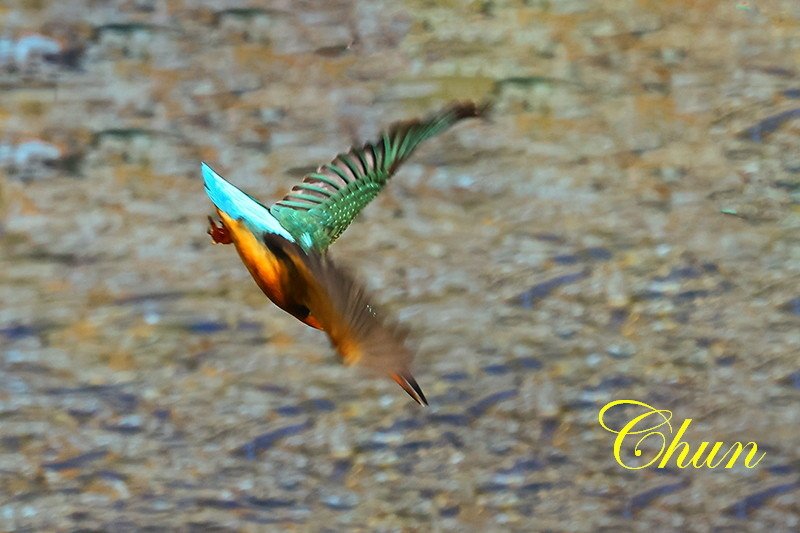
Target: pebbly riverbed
[(624, 226)]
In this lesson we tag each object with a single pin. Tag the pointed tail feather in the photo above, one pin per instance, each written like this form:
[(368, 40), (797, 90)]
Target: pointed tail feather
[(410, 385)]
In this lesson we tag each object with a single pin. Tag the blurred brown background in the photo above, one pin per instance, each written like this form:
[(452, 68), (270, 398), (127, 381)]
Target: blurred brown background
[(625, 226)]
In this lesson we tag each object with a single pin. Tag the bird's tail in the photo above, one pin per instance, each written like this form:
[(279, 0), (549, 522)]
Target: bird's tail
[(410, 385)]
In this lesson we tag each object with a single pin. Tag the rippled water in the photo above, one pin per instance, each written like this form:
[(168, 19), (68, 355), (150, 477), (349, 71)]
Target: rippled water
[(625, 226)]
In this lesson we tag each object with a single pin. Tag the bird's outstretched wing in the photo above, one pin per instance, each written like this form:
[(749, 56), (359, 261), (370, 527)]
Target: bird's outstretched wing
[(317, 210), (361, 334)]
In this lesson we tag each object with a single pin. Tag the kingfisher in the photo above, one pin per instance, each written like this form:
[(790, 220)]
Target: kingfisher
[(284, 246)]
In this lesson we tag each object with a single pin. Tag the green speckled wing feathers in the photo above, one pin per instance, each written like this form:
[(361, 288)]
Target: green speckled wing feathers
[(317, 210)]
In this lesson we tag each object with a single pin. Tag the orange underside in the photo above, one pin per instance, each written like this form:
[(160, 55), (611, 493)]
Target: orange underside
[(312, 321), (267, 271)]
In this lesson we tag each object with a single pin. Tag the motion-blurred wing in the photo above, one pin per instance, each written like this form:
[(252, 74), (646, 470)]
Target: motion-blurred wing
[(341, 306), (326, 201)]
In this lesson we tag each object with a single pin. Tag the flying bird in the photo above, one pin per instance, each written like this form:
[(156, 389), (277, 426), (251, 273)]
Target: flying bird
[(284, 246)]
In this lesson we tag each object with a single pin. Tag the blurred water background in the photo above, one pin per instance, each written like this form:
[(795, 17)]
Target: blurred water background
[(625, 226)]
